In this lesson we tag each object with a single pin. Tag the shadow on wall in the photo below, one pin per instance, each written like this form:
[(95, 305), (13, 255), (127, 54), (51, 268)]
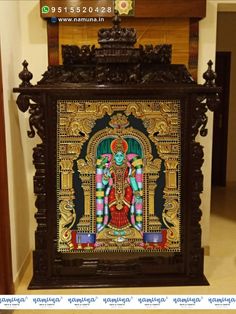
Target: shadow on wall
[(20, 224)]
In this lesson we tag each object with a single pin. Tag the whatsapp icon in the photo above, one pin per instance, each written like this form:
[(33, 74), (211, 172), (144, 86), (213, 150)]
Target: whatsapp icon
[(45, 9)]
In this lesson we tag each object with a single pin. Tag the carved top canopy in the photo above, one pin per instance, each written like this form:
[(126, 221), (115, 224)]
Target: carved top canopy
[(116, 61)]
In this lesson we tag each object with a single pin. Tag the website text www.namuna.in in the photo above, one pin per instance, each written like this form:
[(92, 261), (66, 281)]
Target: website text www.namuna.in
[(80, 19)]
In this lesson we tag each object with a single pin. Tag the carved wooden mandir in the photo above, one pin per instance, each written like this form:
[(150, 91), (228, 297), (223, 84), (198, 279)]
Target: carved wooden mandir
[(102, 222)]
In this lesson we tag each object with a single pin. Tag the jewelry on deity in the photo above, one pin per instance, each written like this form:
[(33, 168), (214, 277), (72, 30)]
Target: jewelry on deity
[(136, 193), (106, 177)]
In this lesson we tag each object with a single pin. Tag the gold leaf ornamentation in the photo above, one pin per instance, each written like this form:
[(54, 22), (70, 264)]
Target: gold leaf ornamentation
[(162, 122)]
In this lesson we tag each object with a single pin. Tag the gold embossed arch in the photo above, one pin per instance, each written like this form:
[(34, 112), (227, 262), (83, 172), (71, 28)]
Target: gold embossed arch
[(129, 132)]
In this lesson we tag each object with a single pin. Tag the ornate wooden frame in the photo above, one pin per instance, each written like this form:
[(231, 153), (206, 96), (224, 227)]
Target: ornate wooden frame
[(117, 68)]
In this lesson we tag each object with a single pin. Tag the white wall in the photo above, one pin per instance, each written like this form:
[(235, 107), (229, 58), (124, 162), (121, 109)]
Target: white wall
[(22, 35), (18, 198), (227, 42)]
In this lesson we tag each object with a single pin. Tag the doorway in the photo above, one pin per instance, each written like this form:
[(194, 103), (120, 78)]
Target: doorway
[(220, 126), (224, 151)]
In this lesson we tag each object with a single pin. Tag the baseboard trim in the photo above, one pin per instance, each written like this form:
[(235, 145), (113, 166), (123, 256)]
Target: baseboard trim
[(21, 272)]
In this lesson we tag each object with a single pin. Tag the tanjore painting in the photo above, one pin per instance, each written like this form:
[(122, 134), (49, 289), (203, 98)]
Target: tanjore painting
[(118, 176)]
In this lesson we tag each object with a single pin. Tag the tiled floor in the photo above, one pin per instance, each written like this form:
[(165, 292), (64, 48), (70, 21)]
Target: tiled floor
[(220, 266)]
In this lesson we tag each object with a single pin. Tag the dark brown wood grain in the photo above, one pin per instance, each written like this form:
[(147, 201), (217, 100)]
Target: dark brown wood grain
[(53, 43), (6, 281)]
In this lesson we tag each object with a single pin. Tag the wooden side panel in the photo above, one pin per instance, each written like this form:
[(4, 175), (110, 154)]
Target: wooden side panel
[(150, 31)]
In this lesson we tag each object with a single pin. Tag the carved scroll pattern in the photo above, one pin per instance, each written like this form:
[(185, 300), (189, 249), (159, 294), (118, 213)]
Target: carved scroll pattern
[(200, 105)]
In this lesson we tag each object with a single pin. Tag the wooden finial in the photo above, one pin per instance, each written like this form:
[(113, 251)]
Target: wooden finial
[(25, 75), (209, 76), (116, 20)]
